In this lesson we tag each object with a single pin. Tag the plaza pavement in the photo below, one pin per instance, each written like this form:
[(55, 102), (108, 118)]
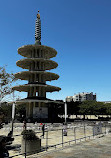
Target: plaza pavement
[(54, 137), (100, 147)]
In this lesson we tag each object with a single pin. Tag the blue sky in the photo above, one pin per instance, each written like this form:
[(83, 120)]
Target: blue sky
[(80, 30)]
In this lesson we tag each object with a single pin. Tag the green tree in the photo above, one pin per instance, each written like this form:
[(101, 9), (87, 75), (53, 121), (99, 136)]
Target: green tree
[(108, 108), (94, 108), (6, 80), (20, 112), (6, 110), (88, 108), (73, 108)]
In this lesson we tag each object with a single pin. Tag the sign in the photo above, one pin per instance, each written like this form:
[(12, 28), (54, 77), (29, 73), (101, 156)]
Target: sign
[(41, 112), (97, 129)]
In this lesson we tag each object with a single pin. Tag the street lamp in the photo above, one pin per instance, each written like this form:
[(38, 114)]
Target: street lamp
[(1, 91), (65, 107), (13, 112)]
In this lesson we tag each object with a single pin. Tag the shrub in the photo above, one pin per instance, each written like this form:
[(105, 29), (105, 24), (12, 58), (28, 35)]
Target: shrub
[(29, 135)]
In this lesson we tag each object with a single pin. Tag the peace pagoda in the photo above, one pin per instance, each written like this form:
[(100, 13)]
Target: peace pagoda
[(37, 62)]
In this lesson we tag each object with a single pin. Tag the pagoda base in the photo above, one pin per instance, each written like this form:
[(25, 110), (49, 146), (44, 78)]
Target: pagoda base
[(40, 109), (40, 112), (36, 110)]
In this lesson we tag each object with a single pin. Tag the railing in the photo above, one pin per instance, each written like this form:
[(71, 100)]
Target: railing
[(74, 131), (56, 146)]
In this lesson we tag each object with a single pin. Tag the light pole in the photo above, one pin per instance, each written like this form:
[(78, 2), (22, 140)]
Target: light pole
[(65, 106), (1, 84), (1, 92), (13, 112)]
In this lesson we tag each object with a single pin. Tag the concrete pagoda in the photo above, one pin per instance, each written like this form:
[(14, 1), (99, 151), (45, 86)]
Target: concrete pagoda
[(37, 61)]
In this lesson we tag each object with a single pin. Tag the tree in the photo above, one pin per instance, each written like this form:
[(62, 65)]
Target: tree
[(73, 108), (7, 111), (20, 112), (5, 83), (108, 108), (89, 108), (94, 108)]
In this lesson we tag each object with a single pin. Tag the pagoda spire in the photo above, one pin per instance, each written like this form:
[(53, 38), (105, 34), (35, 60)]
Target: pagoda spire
[(38, 30)]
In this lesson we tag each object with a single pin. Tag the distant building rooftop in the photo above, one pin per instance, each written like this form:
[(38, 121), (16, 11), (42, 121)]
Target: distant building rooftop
[(81, 97)]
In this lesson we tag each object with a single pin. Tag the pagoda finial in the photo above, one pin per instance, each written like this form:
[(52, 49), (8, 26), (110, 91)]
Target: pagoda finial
[(38, 30), (38, 15)]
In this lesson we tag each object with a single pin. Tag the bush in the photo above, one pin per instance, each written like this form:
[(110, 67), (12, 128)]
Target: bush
[(29, 135)]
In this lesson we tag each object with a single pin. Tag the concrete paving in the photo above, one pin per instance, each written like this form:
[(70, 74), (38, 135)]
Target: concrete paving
[(95, 148)]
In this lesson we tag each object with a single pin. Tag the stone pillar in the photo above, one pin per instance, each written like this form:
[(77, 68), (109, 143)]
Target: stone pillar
[(39, 77), (40, 104), (30, 67), (39, 92), (44, 93), (34, 65), (29, 78), (30, 110), (34, 91), (39, 65), (27, 110), (43, 66)]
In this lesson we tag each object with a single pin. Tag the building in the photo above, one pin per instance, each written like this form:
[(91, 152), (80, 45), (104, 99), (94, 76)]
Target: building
[(81, 97), (37, 61), (105, 102)]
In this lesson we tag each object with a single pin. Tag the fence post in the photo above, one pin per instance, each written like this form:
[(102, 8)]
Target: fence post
[(62, 137), (93, 134), (25, 147), (105, 128), (46, 140), (84, 131), (93, 130), (75, 134)]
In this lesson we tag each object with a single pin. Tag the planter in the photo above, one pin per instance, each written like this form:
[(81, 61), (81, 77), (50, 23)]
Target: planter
[(31, 141), (32, 146)]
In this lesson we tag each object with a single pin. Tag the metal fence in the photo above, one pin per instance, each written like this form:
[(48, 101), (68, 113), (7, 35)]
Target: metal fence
[(58, 136)]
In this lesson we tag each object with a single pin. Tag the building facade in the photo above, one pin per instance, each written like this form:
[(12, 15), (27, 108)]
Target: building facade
[(81, 97)]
